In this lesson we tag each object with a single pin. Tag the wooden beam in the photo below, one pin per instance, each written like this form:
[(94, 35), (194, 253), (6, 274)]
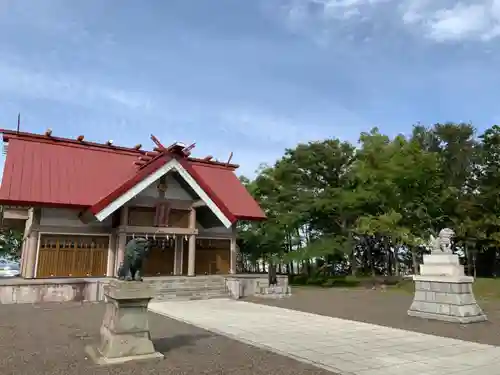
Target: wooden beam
[(230, 158), (129, 229), (177, 204), (58, 229), (15, 213), (199, 203)]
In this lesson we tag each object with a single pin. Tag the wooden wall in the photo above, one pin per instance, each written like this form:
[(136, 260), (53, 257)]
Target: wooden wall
[(145, 217), (212, 257), (72, 256)]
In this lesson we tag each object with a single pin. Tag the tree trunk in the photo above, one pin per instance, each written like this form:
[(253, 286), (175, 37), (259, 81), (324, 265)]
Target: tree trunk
[(354, 265), (469, 260), (369, 257), (414, 260), (396, 261), (474, 263), (387, 252)]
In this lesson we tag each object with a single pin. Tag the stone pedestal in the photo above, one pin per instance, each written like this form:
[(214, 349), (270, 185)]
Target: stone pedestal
[(442, 291), (125, 330), (275, 292)]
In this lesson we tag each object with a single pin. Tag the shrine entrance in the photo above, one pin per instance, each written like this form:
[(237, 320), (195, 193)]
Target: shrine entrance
[(160, 261), (212, 257)]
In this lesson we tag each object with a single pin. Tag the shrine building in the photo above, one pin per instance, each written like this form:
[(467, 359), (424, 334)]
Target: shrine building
[(80, 202)]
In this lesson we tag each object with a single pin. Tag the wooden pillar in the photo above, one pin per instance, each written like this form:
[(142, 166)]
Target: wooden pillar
[(192, 243), (233, 251), (32, 248), (23, 255), (120, 251), (121, 240), (191, 255), (27, 229), (111, 268), (178, 255)]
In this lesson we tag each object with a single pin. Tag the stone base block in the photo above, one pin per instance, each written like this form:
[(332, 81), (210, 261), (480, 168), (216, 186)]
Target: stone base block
[(275, 292), (447, 299), (448, 318), (442, 258), (125, 330), (441, 269), (94, 354)]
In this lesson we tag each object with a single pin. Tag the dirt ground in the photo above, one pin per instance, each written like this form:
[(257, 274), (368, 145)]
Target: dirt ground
[(49, 339), (387, 308)]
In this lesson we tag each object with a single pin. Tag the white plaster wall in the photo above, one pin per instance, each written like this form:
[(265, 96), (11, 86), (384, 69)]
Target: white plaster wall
[(68, 218), (174, 190)]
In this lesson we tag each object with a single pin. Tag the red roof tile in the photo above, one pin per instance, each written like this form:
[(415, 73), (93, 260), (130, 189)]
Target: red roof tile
[(236, 197), (59, 172)]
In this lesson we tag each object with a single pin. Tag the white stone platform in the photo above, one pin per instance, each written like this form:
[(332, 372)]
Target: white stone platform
[(341, 346), (442, 292)]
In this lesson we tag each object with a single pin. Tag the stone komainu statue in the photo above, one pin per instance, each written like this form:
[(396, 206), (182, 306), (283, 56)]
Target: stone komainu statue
[(136, 252), (442, 244)]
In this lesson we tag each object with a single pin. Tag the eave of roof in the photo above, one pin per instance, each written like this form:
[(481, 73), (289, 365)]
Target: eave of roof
[(7, 135), (214, 175)]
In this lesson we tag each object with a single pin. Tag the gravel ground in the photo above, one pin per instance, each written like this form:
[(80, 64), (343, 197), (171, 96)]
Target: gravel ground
[(387, 308), (49, 339)]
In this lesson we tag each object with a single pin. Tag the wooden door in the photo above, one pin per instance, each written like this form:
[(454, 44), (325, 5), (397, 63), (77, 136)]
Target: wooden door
[(212, 256), (72, 256), (160, 261)]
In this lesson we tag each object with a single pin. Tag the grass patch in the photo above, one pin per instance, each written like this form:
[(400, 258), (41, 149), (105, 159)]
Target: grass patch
[(341, 281), (484, 288)]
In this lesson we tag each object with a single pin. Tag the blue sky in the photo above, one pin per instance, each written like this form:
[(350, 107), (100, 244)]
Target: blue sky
[(252, 77)]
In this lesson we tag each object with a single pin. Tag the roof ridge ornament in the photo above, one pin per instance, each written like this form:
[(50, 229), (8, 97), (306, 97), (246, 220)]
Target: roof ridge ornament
[(177, 148)]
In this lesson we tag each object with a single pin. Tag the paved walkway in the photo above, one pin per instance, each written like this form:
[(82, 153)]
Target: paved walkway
[(341, 346)]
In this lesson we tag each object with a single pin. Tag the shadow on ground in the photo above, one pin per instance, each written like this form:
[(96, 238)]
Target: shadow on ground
[(49, 339), (167, 344)]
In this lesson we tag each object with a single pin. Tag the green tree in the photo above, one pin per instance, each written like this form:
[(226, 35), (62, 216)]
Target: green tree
[(10, 244)]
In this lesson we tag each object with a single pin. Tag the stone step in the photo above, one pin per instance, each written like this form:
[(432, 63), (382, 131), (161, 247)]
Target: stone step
[(188, 285), (189, 298), (181, 286), (194, 293), (184, 288), (191, 288), (190, 291), (196, 279)]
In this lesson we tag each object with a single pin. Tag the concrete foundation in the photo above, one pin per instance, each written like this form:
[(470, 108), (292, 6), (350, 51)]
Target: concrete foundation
[(442, 292), (274, 292), (241, 286), (19, 290), (125, 332)]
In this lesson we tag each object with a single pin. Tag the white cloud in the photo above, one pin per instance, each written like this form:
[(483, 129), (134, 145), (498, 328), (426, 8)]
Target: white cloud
[(454, 21), (67, 89), (246, 124), (437, 20), (267, 128)]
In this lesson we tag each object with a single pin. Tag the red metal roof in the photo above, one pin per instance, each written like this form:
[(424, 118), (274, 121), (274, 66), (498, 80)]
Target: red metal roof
[(53, 171), (236, 197)]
